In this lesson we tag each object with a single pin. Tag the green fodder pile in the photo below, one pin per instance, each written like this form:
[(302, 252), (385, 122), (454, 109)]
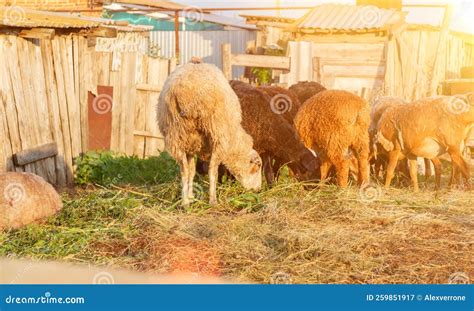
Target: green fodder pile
[(286, 234)]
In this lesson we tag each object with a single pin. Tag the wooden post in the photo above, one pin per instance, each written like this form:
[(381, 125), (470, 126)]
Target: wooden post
[(176, 34), (226, 61)]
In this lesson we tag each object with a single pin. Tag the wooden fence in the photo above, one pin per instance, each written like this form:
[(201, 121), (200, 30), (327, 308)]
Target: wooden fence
[(47, 90), (247, 60)]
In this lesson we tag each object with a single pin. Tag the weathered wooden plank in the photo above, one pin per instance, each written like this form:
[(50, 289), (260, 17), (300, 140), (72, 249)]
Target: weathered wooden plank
[(84, 86), (353, 71), (349, 50), (103, 68), (28, 112), (41, 105), (5, 146), (158, 71), (264, 61), (35, 154), (148, 87), (105, 32), (127, 104), (116, 112), (53, 107), (147, 134), (63, 108), (38, 33), (72, 105), (227, 61), (10, 123), (140, 108)]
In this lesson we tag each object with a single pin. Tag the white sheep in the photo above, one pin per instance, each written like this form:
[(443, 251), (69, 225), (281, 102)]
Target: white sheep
[(199, 114)]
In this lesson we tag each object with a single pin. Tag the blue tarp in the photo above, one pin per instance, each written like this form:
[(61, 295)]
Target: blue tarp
[(160, 24)]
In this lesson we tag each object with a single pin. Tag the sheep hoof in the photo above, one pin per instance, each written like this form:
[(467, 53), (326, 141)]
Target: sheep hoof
[(213, 202)]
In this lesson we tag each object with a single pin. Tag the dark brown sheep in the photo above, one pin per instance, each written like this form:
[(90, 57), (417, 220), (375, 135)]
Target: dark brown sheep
[(283, 102), (304, 90), (275, 138)]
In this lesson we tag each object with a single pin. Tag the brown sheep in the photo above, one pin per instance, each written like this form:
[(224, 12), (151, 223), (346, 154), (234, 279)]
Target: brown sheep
[(427, 128), (304, 90), (275, 138), (334, 124), (379, 155), (199, 113)]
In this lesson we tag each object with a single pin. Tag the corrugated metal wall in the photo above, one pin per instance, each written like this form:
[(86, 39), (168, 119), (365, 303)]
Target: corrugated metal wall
[(204, 44)]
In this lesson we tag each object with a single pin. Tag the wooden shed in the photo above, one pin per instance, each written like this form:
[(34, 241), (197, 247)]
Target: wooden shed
[(72, 84), (366, 49)]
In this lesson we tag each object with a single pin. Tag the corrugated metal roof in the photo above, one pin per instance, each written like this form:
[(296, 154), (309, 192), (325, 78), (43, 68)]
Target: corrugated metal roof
[(348, 17), (204, 44), (17, 16), (267, 18)]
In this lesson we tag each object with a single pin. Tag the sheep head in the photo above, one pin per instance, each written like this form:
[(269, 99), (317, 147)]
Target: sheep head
[(248, 170)]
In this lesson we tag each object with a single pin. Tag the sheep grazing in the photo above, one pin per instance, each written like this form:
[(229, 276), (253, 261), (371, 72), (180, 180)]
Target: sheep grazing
[(283, 102), (334, 124), (304, 90), (427, 128), (378, 154), (199, 114), (275, 138)]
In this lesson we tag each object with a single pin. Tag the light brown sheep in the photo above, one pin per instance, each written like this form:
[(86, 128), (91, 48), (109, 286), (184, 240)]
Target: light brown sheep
[(304, 90), (199, 114), (275, 138), (334, 124), (427, 128), (380, 156), (26, 198)]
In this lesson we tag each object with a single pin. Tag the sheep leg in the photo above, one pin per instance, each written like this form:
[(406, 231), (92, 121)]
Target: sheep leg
[(342, 172), (268, 169), (457, 160), (184, 169), (437, 168), (191, 174), (213, 174), (454, 173), (362, 155), (276, 168), (427, 168), (413, 166), (324, 168), (378, 167), (391, 166)]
